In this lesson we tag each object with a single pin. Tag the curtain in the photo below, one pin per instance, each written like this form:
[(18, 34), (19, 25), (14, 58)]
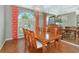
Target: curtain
[(15, 22), (37, 22), (45, 18)]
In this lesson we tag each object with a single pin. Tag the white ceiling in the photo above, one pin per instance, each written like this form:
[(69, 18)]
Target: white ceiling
[(53, 9)]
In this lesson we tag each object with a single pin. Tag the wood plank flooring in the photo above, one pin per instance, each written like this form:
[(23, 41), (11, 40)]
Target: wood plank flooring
[(14, 46)]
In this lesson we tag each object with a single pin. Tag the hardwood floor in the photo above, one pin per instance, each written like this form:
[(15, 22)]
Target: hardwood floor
[(11, 46), (73, 41)]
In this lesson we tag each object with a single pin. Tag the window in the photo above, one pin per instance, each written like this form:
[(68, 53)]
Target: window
[(25, 19)]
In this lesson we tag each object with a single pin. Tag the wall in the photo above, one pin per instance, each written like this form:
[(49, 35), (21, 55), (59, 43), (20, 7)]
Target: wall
[(77, 20), (69, 19), (2, 26), (8, 24), (41, 20)]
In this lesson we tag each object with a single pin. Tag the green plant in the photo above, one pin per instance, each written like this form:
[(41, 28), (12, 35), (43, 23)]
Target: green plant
[(24, 16)]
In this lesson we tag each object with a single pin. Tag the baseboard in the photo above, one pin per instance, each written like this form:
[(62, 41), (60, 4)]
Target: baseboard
[(8, 39), (2, 44), (11, 38), (75, 45), (21, 37)]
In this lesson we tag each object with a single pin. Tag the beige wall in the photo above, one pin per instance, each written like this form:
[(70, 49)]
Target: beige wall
[(69, 19), (2, 22)]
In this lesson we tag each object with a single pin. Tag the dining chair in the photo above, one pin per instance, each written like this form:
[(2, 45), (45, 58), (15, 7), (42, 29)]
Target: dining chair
[(54, 35), (25, 32), (35, 44)]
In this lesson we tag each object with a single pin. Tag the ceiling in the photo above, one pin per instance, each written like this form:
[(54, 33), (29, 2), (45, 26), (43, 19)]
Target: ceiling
[(53, 9)]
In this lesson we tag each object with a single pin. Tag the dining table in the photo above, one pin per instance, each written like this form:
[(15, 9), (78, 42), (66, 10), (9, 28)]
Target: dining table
[(45, 38)]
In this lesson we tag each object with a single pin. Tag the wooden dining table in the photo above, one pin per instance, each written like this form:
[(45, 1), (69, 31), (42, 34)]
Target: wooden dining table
[(48, 42)]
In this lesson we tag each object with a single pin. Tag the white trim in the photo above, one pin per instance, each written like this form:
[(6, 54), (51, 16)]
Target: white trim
[(2, 44), (8, 39), (75, 45), (11, 38), (21, 37)]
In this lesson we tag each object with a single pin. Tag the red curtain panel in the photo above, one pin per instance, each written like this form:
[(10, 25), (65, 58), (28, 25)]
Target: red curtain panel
[(14, 22), (45, 18), (37, 22)]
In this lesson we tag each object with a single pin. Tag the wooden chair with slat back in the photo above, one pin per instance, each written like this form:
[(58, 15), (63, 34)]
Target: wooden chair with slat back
[(54, 34), (25, 31), (34, 44)]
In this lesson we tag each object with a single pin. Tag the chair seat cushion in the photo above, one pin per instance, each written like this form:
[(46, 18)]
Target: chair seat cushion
[(39, 44)]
